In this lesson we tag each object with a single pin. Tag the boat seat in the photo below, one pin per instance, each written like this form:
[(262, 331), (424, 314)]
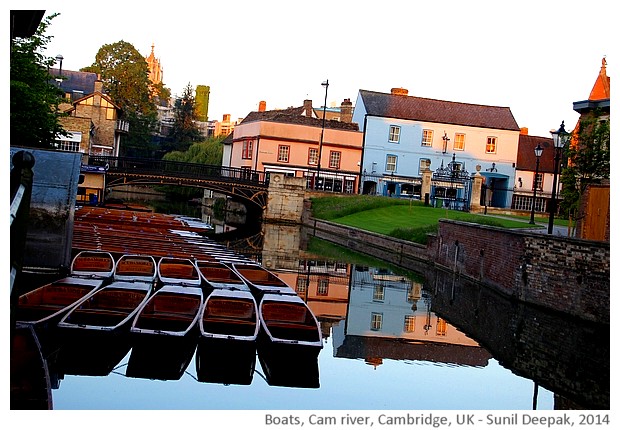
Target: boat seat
[(172, 270), (92, 263), (284, 312), (134, 267)]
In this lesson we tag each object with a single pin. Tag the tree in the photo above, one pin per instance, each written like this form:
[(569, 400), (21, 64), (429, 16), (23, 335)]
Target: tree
[(34, 96), (184, 131), (587, 160), (125, 77)]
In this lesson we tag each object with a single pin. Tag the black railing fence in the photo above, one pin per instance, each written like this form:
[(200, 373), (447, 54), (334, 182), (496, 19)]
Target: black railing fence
[(129, 165)]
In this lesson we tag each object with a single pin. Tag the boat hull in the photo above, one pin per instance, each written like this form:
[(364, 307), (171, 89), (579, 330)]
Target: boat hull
[(225, 361)]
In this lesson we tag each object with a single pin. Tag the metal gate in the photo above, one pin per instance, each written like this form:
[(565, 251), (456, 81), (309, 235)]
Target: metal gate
[(451, 186)]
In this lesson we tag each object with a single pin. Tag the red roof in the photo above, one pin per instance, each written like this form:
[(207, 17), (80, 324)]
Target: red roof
[(437, 111), (526, 158)]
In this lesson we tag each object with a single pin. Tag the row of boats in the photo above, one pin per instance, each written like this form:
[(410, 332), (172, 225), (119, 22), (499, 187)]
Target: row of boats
[(165, 309)]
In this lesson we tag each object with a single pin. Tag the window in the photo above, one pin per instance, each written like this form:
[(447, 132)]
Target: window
[(283, 151), (301, 285), (246, 153), (409, 325), (390, 163), (427, 137), (459, 142), (491, 145), (442, 327), (334, 159), (322, 288), (67, 145), (538, 181), (378, 292), (376, 321), (394, 134), (424, 164), (313, 156)]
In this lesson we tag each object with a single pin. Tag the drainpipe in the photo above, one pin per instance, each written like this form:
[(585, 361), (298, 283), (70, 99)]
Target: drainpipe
[(359, 184)]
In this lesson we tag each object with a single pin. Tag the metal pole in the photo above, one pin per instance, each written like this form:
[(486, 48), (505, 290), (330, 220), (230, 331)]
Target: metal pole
[(535, 188), (553, 197), (318, 166)]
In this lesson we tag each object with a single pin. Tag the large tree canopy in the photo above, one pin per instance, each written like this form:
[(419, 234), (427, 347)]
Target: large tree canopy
[(34, 97), (124, 73)]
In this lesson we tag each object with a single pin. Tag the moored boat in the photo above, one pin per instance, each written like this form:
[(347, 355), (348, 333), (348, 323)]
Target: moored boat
[(47, 304), (178, 271), (262, 281), (216, 274), (109, 308), (288, 328), (136, 267), (164, 333), (229, 327)]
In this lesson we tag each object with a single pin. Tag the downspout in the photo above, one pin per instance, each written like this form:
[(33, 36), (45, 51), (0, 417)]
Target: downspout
[(359, 184)]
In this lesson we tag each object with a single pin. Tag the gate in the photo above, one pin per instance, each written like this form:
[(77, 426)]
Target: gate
[(451, 186)]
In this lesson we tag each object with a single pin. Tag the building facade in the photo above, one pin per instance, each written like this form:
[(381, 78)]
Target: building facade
[(294, 142), (405, 135)]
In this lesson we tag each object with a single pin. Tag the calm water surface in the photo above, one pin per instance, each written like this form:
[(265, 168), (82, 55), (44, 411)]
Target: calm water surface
[(391, 341)]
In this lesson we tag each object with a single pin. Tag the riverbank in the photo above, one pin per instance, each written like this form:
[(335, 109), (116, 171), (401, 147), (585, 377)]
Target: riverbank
[(558, 273)]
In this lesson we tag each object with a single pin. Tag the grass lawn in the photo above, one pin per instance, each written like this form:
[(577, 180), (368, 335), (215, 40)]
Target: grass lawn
[(403, 219)]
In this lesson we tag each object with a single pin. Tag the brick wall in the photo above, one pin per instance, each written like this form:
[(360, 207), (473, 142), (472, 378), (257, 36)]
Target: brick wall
[(564, 274)]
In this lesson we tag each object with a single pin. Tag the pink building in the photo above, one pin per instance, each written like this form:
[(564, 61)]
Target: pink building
[(296, 142)]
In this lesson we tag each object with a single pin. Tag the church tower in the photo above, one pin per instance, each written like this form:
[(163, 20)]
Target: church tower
[(156, 72)]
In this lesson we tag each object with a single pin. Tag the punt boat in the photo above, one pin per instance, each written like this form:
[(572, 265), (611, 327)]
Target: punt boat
[(164, 333), (229, 327), (262, 281), (46, 305), (178, 271)]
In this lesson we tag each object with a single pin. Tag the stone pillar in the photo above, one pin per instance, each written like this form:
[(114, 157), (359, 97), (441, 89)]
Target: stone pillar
[(426, 183), (285, 201), (476, 191)]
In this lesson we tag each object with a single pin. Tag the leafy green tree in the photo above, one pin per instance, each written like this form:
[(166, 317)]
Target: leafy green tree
[(587, 161), (125, 76), (184, 131), (34, 97), (207, 152)]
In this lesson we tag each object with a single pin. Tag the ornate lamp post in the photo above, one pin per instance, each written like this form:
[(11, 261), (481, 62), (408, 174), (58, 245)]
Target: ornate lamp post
[(538, 152), (560, 137), (318, 166)]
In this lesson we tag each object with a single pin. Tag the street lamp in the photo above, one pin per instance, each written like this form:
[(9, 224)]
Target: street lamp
[(538, 152), (560, 137), (59, 59), (318, 166)]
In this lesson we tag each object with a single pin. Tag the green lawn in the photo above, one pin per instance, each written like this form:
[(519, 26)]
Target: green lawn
[(403, 219)]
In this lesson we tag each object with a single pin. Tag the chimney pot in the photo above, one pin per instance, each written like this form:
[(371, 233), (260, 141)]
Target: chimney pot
[(400, 91)]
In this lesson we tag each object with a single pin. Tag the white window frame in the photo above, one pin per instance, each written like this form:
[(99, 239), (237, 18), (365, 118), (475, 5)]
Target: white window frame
[(427, 137), (459, 142), (427, 163), (391, 166), (491, 143), (284, 152), (394, 135), (313, 156), (334, 159), (376, 321)]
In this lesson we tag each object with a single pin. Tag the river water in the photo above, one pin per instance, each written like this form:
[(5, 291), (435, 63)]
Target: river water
[(393, 340)]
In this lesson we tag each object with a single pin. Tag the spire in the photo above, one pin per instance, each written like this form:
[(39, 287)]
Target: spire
[(600, 90)]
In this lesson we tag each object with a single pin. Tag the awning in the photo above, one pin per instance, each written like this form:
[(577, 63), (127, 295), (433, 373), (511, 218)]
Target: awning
[(74, 136), (494, 175)]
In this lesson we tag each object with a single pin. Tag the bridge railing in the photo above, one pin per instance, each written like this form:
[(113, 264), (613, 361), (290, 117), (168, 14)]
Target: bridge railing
[(179, 169)]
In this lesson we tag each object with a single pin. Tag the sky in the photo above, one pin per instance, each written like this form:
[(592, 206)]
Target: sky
[(536, 57)]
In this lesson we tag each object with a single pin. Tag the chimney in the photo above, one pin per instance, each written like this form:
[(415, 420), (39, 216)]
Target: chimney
[(308, 108), (400, 91), (98, 84), (346, 110), (524, 131), (262, 106)]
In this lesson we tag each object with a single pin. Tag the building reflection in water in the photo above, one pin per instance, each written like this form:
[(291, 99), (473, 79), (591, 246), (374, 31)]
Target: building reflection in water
[(375, 314)]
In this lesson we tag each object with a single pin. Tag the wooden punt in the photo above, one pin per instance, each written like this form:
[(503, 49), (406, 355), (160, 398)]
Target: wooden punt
[(261, 281), (178, 271), (164, 333), (47, 304)]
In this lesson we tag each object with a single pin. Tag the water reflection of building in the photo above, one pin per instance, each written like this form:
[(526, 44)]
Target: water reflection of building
[(389, 316)]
